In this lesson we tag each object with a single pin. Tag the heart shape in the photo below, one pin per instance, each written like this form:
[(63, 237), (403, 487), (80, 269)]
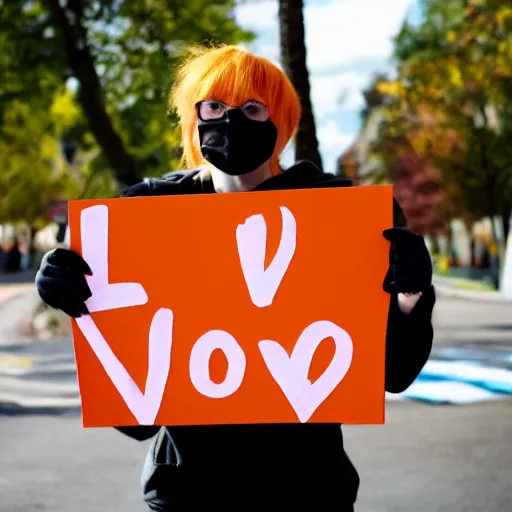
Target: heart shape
[(144, 406), (291, 372)]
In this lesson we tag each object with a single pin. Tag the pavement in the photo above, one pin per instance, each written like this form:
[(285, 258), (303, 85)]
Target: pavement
[(426, 458), (8, 292), (14, 290), (480, 327)]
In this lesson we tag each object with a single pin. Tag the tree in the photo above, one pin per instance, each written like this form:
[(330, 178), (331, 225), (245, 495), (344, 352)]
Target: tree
[(33, 170), (457, 65), (373, 97), (397, 154), (120, 54), (294, 60)]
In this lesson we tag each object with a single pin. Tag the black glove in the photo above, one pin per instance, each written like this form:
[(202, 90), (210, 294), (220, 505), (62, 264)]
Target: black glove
[(410, 265), (61, 282)]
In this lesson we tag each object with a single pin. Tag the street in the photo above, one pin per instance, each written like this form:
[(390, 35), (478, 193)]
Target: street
[(426, 458)]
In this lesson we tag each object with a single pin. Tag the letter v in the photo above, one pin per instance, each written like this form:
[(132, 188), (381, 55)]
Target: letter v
[(144, 406), (251, 240)]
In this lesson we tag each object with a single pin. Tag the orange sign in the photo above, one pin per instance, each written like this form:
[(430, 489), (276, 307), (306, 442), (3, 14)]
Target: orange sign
[(261, 307)]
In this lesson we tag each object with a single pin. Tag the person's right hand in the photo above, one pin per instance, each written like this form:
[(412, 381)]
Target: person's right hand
[(61, 282)]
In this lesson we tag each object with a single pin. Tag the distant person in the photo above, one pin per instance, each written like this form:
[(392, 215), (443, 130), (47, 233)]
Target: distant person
[(12, 262), (24, 247), (486, 258), (238, 112)]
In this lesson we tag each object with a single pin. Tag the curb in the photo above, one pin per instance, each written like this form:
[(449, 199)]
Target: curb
[(444, 289), (16, 409)]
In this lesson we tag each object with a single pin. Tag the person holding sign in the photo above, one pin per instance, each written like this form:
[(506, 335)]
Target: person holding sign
[(237, 112)]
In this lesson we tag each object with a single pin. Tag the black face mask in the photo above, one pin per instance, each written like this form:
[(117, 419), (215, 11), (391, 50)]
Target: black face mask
[(236, 144)]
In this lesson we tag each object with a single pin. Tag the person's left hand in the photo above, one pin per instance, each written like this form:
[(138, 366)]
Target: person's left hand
[(410, 267)]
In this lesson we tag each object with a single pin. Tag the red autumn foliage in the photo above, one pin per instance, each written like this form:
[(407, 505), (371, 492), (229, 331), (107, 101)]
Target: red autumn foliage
[(418, 190)]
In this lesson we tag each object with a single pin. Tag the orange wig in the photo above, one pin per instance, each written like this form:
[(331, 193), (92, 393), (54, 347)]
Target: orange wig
[(234, 76)]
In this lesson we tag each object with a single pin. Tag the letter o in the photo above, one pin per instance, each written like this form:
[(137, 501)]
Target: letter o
[(200, 360)]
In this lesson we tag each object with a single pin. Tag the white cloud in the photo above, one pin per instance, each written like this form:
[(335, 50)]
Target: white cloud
[(269, 49), (259, 16), (333, 142), (347, 41), (344, 31), (337, 32), (334, 93), (288, 156)]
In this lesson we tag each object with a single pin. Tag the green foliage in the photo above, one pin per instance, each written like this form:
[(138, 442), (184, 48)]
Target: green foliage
[(136, 46), (95, 74), (33, 172), (454, 84)]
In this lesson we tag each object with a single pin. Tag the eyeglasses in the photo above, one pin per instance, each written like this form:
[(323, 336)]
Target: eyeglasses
[(212, 110)]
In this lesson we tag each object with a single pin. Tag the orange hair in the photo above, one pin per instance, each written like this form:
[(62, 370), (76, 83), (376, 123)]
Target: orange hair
[(234, 76)]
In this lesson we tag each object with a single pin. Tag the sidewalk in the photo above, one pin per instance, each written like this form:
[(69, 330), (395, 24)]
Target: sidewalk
[(8, 291), (17, 296), (35, 375), (18, 303), (453, 287)]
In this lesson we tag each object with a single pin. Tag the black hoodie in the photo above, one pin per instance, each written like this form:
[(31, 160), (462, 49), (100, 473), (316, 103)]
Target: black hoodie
[(273, 466)]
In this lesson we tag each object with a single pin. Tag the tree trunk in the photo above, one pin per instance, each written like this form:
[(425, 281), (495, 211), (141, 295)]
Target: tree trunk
[(293, 59), (505, 217), (32, 251), (68, 20)]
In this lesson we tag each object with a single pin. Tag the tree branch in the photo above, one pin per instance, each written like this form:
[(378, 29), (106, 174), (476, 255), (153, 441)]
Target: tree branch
[(91, 96)]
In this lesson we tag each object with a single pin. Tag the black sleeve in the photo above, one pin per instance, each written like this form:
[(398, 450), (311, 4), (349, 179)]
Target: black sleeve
[(137, 190), (409, 337), (408, 341), (399, 220), (173, 183), (140, 433)]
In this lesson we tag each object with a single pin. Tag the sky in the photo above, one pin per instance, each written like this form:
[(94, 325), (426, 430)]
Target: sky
[(347, 42)]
